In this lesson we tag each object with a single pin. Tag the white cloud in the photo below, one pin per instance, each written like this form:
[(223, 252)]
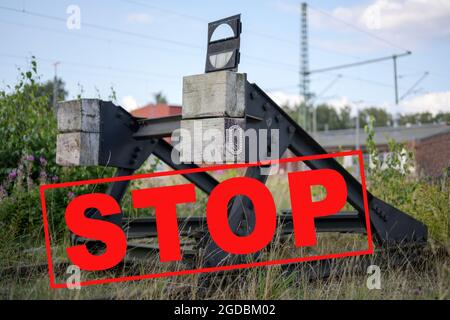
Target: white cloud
[(407, 22), (283, 98), (403, 14), (139, 18), (129, 103), (432, 102)]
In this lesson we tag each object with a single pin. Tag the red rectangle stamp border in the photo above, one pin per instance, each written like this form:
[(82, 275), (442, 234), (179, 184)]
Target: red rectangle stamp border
[(367, 251)]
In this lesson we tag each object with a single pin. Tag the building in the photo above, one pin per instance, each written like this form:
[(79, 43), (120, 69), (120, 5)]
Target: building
[(430, 144), (156, 111)]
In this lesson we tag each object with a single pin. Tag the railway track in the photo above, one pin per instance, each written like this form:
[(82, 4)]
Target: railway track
[(192, 229)]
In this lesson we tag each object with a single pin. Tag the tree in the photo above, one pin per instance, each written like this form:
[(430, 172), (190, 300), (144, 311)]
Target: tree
[(381, 117), (160, 98), (346, 121), (424, 118), (443, 117), (46, 90), (327, 118)]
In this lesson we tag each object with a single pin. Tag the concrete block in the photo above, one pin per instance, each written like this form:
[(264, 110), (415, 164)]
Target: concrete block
[(79, 115), (214, 94), (212, 140), (77, 148)]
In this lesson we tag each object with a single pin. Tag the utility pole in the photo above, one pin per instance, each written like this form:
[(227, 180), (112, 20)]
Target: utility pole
[(360, 63), (55, 88), (304, 65), (357, 126), (394, 59), (357, 129)]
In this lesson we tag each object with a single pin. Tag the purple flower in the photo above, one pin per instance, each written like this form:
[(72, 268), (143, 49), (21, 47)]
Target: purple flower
[(42, 161), (13, 174), (43, 175), (55, 178), (29, 158), (70, 195)]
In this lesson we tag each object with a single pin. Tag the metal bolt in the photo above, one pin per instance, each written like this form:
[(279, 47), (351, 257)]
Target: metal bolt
[(291, 129), (265, 106), (252, 95), (277, 118)]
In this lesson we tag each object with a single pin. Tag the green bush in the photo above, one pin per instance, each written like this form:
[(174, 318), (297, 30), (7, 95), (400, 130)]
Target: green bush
[(27, 156), (391, 180)]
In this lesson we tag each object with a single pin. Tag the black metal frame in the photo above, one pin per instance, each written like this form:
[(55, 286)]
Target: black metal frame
[(127, 141)]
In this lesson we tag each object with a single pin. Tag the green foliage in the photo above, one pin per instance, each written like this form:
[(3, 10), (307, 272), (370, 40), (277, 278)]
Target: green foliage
[(331, 118), (27, 156), (381, 118), (391, 180), (160, 98), (27, 125), (424, 118), (46, 90)]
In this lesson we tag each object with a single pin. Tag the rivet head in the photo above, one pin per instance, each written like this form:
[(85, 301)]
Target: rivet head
[(291, 129), (277, 118), (252, 95)]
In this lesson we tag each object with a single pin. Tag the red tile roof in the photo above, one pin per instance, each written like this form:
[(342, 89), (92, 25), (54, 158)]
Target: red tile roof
[(156, 111)]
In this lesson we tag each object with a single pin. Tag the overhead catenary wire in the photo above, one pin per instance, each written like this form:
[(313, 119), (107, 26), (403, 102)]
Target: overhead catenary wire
[(410, 90), (359, 63), (285, 65), (369, 34), (247, 31), (89, 66), (116, 30)]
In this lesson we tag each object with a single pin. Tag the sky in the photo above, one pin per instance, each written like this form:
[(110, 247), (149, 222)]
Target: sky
[(136, 48)]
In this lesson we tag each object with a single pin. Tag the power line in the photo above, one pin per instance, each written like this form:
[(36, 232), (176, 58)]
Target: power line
[(115, 30), (374, 36), (369, 81), (344, 76), (203, 20), (107, 68), (410, 90), (263, 60), (359, 63), (88, 36), (105, 28), (248, 31)]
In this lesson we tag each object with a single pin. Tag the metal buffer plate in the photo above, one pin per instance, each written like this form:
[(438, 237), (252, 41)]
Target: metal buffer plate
[(223, 54)]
